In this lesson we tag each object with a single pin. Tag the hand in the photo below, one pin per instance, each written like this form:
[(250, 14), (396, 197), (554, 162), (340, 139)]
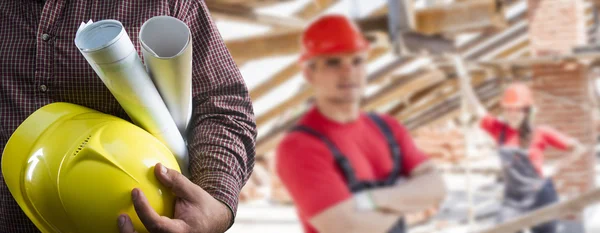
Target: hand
[(195, 209)]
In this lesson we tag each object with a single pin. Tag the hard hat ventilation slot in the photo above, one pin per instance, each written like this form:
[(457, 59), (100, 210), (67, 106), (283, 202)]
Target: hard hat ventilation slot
[(82, 145)]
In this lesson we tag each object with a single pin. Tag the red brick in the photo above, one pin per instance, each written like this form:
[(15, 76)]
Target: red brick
[(553, 30)]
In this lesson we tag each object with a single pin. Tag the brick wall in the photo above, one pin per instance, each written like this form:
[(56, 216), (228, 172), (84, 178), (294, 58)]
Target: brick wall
[(563, 100), (555, 26)]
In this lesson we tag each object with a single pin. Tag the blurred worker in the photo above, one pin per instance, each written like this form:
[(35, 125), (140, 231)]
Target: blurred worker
[(40, 64), (521, 150), (343, 167)]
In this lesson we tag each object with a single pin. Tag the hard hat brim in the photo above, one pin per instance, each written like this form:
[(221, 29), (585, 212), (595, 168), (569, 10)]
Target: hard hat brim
[(18, 150)]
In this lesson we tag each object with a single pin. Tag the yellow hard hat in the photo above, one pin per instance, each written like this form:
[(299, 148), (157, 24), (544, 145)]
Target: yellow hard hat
[(71, 169)]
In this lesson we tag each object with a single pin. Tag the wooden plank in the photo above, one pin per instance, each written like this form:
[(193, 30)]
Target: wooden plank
[(486, 91), (314, 8), (284, 42), (277, 42), (246, 14), (268, 142), (414, 98), (280, 43), (382, 74), (260, 3), (277, 79), (516, 32), (548, 213), (459, 17), (302, 96), (441, 93), (521, 16), (404, 87), (506, 53), (410, 113)]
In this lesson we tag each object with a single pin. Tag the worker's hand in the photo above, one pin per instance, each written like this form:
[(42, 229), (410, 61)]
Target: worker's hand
[(195, 209)]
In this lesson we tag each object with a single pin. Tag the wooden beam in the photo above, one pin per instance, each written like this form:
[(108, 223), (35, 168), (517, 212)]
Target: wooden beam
[(280, 43), (258, 3), (249, 15), (506, 53), (382, 74), (277, 79), (287, 42), (441, 93), (552, 212), (486, 35), (291, 102), (516, 31), (486, 91), (416, 97), (277, 42), (433, 104), (403, 87), (269, 141), (314, 8), (457, 17), (438, 95)]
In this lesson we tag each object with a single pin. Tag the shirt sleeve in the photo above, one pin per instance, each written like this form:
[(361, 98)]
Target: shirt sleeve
[(556, 139), (222, 131), (492, 125), (308, 171), (412, 156)]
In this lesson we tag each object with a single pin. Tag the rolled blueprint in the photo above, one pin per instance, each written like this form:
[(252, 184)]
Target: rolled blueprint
[(109, 50), (166, 45)]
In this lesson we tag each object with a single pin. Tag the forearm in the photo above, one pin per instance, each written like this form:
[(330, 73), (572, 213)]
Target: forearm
[(577, 151), (409, 197), (375, 222), (221, 144), (222, 132), (345, 218)]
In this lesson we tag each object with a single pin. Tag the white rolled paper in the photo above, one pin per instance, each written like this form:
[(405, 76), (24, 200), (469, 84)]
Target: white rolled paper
[(166, 45), (109, 50)]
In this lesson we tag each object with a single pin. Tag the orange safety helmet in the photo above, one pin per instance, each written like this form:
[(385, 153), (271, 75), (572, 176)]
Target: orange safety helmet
[(332, 34), (517, 95)]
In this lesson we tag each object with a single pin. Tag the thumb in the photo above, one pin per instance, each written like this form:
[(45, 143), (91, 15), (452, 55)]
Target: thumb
[(180, 185)]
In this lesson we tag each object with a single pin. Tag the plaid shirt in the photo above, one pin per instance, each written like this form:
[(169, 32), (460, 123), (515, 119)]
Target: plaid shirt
[(40, 64)]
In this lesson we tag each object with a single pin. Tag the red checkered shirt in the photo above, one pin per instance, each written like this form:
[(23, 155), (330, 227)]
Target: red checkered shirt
[(40, 64)]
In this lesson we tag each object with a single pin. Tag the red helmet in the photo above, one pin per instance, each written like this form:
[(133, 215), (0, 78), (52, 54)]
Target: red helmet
[(332, 34), (517, 95)]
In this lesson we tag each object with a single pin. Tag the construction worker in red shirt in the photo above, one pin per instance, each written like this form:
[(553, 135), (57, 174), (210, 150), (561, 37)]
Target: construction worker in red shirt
[(347, 170), (521, 147)]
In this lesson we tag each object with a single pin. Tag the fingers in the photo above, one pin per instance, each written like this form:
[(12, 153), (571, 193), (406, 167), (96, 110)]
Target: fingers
[(149, 217), (125, 224), (180, 185)]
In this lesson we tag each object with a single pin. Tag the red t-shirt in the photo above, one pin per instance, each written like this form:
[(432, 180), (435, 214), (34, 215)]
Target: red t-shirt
[(542, 137), (308, 170)]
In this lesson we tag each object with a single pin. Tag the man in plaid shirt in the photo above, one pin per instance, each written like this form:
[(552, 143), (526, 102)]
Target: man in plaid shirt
[(40, 64)]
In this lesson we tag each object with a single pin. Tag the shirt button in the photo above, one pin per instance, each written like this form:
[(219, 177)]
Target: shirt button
[(45, 37), (43, 88)]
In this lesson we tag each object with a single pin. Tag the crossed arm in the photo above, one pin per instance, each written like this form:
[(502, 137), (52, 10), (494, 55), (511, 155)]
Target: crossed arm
[(424, 190)]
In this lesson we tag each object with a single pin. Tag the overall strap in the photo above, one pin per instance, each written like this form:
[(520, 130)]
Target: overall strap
[(502, 138), (340, 159), (393, 145)]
